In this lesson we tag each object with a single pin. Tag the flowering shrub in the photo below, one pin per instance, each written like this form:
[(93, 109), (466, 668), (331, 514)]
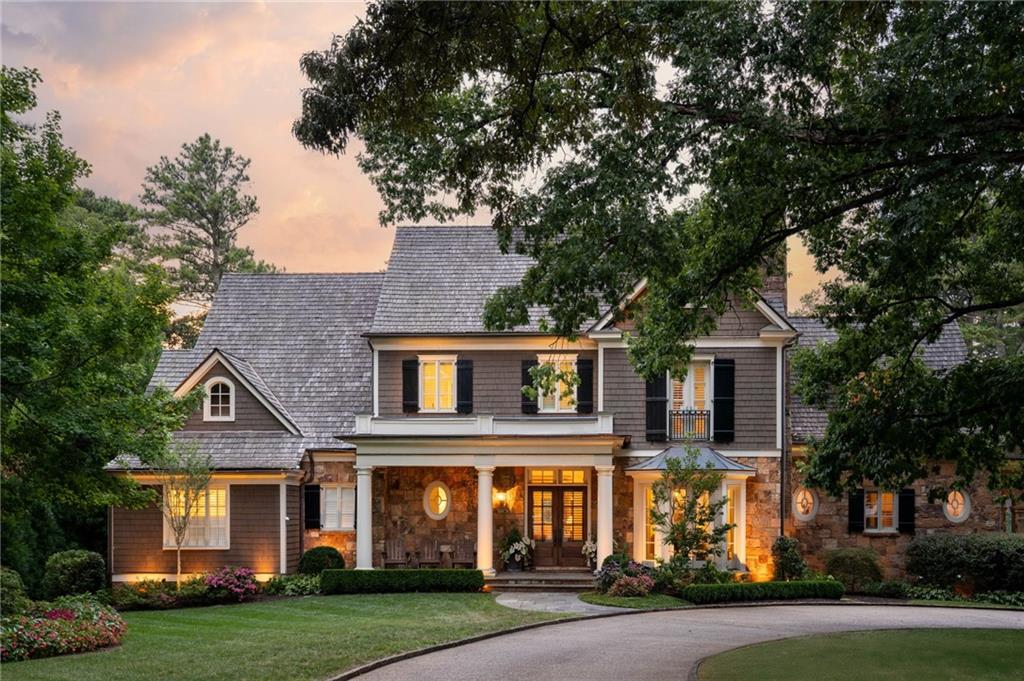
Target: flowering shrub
[(71, 625), (233, 582), (615, 567), (625, 585)]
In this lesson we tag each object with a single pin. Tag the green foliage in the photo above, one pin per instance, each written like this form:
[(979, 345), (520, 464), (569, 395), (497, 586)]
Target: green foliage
[(12, 593), (74, 572), (293, 585), (82, 323), (890, 589), (320, 558), (686, 509), (789, 564), (631, 587), (685, 143), (983, 562), (701, 594), (854, 567), (399, 581), (196, 207)]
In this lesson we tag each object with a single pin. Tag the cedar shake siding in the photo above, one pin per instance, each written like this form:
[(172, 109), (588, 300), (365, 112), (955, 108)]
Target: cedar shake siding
[(625, 394), (740, 320), (250, 414), (136, 537), (497, 378)]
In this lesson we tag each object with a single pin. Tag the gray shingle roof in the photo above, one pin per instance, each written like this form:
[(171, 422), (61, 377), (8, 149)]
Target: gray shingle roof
[(245, 450), (805, 421), (299, 339), (439, 278), (706, 458), (243, 367)]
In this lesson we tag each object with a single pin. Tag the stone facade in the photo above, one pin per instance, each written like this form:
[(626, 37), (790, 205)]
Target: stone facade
[(828, 530), (327, 473), (763, 513)]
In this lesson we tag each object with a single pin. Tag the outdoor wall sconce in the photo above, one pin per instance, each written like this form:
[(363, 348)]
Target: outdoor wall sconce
[(504, 499)]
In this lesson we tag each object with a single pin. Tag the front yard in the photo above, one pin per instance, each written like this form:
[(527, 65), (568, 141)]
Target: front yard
[(990, 654), (294, 638)]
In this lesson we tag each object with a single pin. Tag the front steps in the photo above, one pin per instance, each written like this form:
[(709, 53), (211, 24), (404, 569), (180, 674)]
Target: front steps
[(542, 580)]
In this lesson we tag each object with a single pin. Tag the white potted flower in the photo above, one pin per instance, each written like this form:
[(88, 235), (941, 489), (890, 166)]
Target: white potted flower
[(590, 553), (516, 551)]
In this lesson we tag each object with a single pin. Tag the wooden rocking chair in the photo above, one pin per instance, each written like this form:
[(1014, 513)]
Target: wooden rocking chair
[(463, 553), (395, 554), (429, 553)]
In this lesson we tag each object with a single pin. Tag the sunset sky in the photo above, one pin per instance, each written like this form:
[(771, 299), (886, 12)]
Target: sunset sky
[(135, 81)]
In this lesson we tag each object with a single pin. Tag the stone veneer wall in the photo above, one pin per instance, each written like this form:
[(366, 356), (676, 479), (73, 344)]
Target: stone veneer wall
[(345, 542), (828, 530)]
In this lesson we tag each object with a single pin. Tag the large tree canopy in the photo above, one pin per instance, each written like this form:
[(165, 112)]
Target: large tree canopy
[(686, 142), (82, 322)]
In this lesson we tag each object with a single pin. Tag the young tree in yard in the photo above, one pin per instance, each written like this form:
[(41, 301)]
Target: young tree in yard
[(196, 207), (686, 510), (82, 325), (685, 143), (183, 474)]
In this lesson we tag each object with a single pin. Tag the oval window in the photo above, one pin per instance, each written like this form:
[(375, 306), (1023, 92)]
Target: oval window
[(437, 500), (805, 504), (957, 506)]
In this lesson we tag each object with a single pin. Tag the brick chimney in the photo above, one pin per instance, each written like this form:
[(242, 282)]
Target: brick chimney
[(773, 286)]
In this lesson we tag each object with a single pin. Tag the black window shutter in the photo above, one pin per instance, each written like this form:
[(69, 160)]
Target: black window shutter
[(585, 390), (410, 386), (657, 409), (905, 508), (725, 400), (855, 514), (312, 507), (529, 404), (464, 385)]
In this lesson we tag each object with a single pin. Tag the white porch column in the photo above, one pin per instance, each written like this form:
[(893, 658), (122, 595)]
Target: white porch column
[(604, 512), (485, 520), (364, 517)]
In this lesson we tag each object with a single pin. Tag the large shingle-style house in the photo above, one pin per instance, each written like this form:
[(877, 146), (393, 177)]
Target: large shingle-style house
[(376, 414)]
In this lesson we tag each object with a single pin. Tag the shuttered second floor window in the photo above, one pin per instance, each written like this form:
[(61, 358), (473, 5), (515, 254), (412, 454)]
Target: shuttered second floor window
[(437, 383), (563, 398), (690, 403)]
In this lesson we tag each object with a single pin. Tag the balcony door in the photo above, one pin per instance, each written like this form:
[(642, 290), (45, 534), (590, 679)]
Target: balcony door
[(690, 404), (557, 514)]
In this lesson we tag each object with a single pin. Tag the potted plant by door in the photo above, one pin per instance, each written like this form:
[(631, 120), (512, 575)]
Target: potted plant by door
[(590, 553), (516, 551)]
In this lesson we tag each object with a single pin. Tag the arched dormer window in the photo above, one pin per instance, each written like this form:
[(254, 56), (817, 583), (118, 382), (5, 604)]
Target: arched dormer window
[(219, 404)]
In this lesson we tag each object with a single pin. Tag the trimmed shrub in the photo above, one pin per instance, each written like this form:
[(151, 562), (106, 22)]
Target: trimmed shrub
[(68, 573), (293, 585), (885, 589), (789, 564), (320, 558), (855, 568), (982, 562), (761, 591), (399, 581), (13, 600), (615, 567), (631, 587), (69, 625)]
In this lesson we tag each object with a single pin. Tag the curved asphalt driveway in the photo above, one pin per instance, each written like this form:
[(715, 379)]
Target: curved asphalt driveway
[(665, 645)]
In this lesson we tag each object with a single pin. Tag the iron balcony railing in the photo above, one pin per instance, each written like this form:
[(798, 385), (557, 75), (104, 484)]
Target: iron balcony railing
[(690, 424)]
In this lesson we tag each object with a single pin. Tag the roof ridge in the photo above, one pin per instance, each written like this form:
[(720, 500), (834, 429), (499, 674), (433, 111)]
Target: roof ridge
[(304, 274)]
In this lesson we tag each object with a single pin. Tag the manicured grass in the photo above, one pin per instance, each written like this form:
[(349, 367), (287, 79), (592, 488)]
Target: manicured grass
[(639, 603), (967, 604), (294, 638), (993, 655)]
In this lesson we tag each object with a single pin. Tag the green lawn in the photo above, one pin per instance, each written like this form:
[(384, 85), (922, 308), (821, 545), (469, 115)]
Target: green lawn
[(639, 603), (966, 604), (295, 638), (933, 654)]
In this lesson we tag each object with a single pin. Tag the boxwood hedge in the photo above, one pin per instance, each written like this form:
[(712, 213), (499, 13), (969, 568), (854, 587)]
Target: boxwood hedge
[(761, 591), (399, 581)]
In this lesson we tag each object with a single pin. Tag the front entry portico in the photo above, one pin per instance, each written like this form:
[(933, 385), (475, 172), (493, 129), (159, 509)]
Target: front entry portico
[(556, 514)]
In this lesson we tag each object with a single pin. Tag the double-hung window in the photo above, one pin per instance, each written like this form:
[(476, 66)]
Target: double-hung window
[(208, 521), (690, 403), (563, 398), (338, 510), (437, 383), (879, 511)]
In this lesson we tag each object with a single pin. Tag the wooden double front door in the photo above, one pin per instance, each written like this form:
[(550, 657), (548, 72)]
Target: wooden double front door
[(558, 524)]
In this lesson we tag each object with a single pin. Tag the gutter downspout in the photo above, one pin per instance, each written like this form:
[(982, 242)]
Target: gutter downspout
[(306, 478)]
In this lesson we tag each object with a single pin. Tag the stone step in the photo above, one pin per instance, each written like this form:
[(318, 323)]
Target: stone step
[(547, 588)]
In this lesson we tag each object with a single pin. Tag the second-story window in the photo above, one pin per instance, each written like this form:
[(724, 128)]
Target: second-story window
[(690, 404), (563, 398), (437, 383), (219, 404)]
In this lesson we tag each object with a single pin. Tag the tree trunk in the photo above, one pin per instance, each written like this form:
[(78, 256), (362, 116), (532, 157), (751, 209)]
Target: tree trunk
[(177, 575)]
